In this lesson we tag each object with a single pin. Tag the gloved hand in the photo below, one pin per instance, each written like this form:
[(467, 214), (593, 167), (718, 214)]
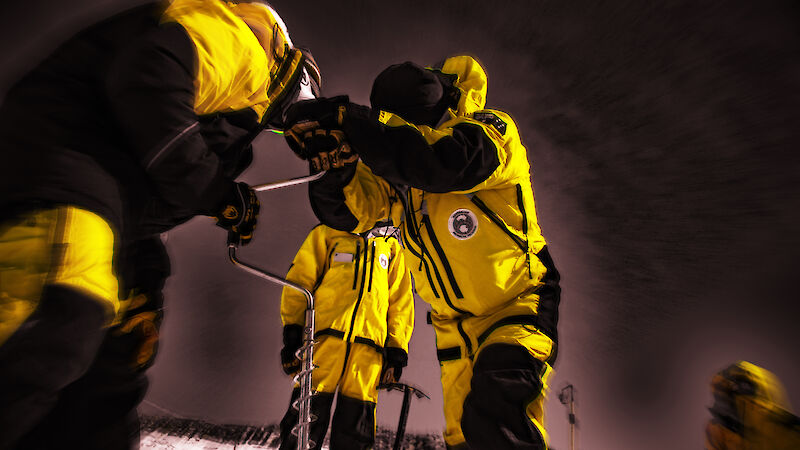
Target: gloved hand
[(318, 113), (137, 332), (394, 359), (329, 150), (238, 213), (292, 341), (314, 133)]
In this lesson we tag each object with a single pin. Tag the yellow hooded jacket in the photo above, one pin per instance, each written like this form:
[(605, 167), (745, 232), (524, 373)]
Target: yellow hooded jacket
[(751, 411), (473, 250), (245, 58), (116, 125), (361, 286)]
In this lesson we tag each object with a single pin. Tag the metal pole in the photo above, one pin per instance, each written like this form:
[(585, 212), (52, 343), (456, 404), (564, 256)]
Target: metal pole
[(289, 182), (401, 427), (407, 392), (304, 422), (571, 424), (307, 350), (567, 395)]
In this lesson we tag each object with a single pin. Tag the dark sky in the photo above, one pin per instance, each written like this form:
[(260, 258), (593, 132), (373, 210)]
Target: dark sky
[(663, 142)]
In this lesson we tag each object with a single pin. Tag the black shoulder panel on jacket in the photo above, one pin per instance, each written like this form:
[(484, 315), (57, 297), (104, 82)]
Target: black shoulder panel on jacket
[(229, 135), (58, 141), (151, 93), (401, 155), (328, 202)]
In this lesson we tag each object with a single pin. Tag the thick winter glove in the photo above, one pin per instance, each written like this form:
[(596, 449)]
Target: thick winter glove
[(318, 113), (137, 334), (292, 341), (394, 359), (330, 150), (314, 133), (238, 213)]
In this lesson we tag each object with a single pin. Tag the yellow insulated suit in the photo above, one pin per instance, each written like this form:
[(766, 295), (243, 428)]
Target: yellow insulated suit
[(121, 125), (462, 192), (364, 309), (751, 411)]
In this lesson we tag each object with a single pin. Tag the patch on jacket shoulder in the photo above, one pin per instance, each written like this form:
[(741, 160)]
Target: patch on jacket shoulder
[(384, 261), (462, 224), (491, 119), (342, 257)]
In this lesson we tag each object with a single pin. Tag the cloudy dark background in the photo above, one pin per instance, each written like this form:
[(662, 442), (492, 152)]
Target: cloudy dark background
[(664, 145)]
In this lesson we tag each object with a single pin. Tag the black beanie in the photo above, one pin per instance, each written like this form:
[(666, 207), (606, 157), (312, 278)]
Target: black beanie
[(413, 92)]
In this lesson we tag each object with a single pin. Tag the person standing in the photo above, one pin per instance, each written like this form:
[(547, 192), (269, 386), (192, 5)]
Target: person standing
[(456, 176), (364, 315)]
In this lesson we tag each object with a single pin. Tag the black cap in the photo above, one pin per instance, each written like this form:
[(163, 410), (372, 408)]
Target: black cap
[(414, 93)]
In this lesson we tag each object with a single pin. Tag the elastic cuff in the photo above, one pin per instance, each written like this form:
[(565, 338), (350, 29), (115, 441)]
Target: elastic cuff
[(219, 193), (396, 356)]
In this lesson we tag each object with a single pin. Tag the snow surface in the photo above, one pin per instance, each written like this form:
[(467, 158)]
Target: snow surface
[(156, 440)]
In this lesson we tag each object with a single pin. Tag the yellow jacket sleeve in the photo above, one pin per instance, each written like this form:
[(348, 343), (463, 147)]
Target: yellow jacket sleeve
[(307, 268)]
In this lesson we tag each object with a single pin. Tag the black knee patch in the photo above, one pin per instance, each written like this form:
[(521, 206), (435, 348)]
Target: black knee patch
[(505, 379), (353, 424), (320, 408), (53, 349)]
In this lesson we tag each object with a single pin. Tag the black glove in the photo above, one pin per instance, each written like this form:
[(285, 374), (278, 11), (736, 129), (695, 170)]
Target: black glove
[(292, 341), (137, 334), (321, 112), (394, 359), (314, 133), (329, 150), (238, 213)]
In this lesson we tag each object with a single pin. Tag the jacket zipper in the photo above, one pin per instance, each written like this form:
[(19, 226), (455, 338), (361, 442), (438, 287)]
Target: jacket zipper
[(426, 220), (421, 263), (521, 202), (425, 251), (355, 309), (499, 222), (355, 270), (408, 228), (371, 267), (464, 336)]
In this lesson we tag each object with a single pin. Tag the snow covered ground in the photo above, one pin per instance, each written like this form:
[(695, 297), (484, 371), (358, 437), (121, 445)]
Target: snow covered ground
[(156, 440), (170, 433)]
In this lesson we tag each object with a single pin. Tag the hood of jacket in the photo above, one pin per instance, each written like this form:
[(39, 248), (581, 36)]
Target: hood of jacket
[(471, 80)]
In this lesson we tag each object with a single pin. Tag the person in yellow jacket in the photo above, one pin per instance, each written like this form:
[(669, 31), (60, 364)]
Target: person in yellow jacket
[(456, 175), (364, 318), (132, 126), (751, 411)]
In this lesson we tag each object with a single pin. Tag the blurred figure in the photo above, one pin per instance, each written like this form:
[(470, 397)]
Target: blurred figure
[(364, 319), (457, 177), (751, 411), (131, 127)]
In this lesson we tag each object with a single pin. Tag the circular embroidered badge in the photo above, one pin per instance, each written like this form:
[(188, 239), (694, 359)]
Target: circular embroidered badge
[(383, 260), (462, 224)]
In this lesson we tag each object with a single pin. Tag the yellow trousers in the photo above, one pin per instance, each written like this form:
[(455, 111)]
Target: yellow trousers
[(62, 246), (353, 371), (513, 377)]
